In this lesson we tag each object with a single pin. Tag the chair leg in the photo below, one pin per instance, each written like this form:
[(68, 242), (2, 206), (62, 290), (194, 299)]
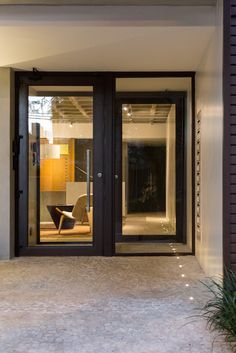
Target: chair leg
[(61, 223), (90, 219)]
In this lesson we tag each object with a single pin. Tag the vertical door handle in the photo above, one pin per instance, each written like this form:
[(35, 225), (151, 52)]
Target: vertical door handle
[(88, 154)]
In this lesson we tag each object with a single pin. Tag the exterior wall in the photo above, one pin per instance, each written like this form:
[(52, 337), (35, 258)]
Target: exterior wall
[(229, 175), (209, 101), (6, 177)]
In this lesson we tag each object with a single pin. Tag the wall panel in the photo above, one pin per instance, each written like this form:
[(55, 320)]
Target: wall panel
[(229, 173)]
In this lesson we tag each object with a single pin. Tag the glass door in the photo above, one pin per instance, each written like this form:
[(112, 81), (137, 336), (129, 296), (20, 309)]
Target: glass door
[(61, 180), (149, 173)]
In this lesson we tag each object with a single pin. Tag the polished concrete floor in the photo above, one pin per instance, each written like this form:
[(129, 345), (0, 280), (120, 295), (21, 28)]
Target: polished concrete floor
[(88, 305), (147, 224), (151, 248)]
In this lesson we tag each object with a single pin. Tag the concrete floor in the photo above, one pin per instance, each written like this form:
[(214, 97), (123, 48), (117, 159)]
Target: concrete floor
[(147, 248), (88, 305), (147, 224)]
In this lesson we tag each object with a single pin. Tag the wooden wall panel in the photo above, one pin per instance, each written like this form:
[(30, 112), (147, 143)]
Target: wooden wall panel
[(53, 175), (229, 176)]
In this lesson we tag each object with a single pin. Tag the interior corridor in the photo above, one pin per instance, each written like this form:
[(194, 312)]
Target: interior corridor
[(94, 304)]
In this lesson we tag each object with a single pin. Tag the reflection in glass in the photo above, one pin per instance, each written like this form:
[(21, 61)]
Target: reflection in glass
[(148, 172), (60, 166)]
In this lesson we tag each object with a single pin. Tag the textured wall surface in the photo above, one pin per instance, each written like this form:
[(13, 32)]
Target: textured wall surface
[(229, 175)]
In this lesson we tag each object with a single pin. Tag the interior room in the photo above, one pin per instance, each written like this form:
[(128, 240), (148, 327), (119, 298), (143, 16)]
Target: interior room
[(60, 164), (147, 157)]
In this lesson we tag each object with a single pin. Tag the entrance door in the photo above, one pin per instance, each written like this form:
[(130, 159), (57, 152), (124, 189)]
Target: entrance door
[(60, 184), (150, 172)]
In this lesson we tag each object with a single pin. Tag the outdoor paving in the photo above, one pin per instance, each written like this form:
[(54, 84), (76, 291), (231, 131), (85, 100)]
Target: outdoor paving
[(94, 304)]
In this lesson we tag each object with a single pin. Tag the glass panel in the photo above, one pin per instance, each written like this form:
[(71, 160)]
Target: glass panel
[(155, 164), (60, 123), (149, 177)]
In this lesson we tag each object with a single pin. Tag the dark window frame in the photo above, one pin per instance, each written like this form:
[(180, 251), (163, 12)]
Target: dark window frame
[(179, 99), (108, 97)]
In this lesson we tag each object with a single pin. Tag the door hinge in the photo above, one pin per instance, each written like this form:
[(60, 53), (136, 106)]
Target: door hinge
[(16, 144), (18, 193)]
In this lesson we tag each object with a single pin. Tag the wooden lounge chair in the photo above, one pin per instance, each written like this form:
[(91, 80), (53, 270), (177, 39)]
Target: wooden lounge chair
[(79, 212)]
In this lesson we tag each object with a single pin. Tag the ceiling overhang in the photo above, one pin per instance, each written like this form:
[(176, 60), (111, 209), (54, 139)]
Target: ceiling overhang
[(105, 38), (110, 2)]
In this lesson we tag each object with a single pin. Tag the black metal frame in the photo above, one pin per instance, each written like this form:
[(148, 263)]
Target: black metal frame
[(23, 83), (104, 217), (228, 213), (179, 99)]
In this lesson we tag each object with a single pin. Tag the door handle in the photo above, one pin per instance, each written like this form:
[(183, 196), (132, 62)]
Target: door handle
[(99, 175), (88, 154)]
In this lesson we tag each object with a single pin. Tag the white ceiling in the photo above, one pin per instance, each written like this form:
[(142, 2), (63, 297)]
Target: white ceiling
[(166, 41)]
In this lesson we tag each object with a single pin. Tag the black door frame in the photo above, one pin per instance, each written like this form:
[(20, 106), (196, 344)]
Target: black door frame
[(179, 99), (106, 103), (23, 81)]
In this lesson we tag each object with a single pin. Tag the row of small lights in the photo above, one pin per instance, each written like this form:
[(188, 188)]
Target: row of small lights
[(125, 109), (183, 275)]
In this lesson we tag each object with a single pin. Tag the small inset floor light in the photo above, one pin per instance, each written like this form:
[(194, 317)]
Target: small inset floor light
[(186, 285), (180, 266), (178, 258), (191, 298), (182, 275), (70, 125), (129, 114), (125, 108)]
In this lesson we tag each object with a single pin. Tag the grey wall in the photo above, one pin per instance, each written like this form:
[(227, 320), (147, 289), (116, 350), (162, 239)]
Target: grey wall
[(6, 174)]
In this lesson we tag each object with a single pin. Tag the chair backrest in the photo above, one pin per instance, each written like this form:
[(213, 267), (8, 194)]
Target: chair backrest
[(80, 207)]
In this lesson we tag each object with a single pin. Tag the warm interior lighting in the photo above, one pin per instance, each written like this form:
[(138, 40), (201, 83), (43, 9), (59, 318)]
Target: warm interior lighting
[(48, 151)]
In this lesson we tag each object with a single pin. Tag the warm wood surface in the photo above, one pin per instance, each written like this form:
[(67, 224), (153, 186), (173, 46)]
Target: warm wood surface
[(79, 233)]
